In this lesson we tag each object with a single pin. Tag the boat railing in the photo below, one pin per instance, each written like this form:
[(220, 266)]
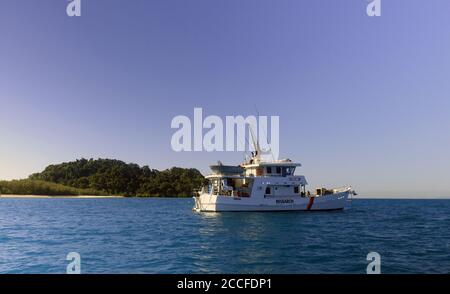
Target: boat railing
[(197, 192), (342, 189)]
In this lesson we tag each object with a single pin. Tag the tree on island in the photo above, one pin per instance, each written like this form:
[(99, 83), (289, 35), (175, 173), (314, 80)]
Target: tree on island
[(108, 177)]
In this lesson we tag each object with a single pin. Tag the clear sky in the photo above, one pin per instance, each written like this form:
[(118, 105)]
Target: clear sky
[(362, 101)]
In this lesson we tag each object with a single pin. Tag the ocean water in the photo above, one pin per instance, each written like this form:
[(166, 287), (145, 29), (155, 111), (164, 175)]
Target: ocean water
[(165, 236)]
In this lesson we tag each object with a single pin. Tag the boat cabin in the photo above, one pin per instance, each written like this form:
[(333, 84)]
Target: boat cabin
[(276, 179), (271, 169), (236, 186)]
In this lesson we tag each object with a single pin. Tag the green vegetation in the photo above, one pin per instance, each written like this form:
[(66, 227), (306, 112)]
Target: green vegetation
[(106, 177), (36, 187)]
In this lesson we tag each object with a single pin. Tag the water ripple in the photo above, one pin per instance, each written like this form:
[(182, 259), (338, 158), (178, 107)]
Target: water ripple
[(165, 236)]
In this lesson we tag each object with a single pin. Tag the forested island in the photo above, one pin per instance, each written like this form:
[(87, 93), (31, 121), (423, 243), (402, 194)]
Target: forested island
[(106, 177)]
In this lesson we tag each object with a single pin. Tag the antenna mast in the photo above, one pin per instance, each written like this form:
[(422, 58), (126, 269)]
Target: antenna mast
[(255, 142)]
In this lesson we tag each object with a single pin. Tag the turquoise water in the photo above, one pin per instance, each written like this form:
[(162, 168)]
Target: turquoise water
[(165, 236)]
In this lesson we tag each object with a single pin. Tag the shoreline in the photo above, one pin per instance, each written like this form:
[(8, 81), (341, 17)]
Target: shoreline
[(57, 196), (15, 196)]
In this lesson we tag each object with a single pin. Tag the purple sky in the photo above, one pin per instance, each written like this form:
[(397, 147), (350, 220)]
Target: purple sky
[(362, 101)]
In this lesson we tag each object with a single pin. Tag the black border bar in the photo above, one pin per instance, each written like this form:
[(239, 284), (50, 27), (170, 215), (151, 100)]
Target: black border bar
[(162, 282)]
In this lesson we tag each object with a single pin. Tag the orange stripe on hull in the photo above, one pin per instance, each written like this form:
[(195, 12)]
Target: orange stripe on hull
[(310, 204)]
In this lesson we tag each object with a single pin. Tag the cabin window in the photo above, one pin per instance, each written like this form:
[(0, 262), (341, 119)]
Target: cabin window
[(268, 190), (269, 170), (278, 170), (296, 189), (289, 171)]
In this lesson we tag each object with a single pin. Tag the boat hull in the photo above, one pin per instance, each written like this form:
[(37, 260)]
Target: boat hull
[(216, 203)]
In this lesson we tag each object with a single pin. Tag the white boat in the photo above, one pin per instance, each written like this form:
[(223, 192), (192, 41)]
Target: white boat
[(265, 185)]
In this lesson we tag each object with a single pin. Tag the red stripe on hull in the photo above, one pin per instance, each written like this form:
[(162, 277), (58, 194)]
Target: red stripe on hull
[(310, 204)]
